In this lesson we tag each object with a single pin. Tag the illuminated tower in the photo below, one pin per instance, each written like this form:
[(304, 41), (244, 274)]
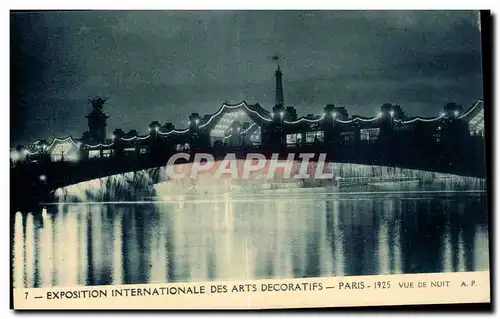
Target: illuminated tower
[(97, 121), (278, 114)]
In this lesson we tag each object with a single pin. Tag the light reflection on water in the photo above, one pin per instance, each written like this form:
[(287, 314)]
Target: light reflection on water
[(253, 238)]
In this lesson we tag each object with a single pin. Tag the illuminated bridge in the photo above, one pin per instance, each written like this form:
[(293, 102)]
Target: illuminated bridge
[(452, 142)]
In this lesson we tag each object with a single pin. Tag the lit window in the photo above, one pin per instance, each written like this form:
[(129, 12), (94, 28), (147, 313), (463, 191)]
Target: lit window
[(94, 153), (182, 147), (315, 137), (107, 153), (369, 134), (294, 139)]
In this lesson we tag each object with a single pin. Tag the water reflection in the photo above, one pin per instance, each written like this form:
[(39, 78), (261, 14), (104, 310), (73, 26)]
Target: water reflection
[(249, 238)]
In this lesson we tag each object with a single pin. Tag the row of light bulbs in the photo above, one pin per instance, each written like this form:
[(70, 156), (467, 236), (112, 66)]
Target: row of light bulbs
[(222, 128), (380, 114)]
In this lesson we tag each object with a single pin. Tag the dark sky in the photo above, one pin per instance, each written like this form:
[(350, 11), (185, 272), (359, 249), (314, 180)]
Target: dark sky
[(165, 65)]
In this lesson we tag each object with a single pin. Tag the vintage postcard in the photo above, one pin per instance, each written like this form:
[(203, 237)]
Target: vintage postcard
[(248, 159)]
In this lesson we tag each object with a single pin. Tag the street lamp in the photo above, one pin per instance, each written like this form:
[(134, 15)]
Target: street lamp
[(391, 113), (380, 114), (456, 113)]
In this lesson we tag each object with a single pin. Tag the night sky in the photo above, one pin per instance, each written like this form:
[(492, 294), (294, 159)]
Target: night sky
[(164, 65)]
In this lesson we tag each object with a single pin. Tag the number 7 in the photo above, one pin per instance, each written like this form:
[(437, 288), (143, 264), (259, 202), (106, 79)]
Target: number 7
[(26, 297)]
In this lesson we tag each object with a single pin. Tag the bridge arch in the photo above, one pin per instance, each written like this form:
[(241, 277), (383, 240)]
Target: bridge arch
[(155, 181)]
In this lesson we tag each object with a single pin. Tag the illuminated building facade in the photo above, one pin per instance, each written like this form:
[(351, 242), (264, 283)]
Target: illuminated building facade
[(251, 126)]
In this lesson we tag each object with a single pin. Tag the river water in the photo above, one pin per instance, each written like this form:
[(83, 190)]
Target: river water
[(228, 236)]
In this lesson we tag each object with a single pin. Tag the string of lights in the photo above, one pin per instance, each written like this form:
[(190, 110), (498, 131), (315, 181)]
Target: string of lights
[(472, 108), (57, 139), (357, 119), (136, 138), (228, 106), (248, 129), (99, 145), (304, 119), (31, 153), (254, 134), (173, 131), (420, 120)]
